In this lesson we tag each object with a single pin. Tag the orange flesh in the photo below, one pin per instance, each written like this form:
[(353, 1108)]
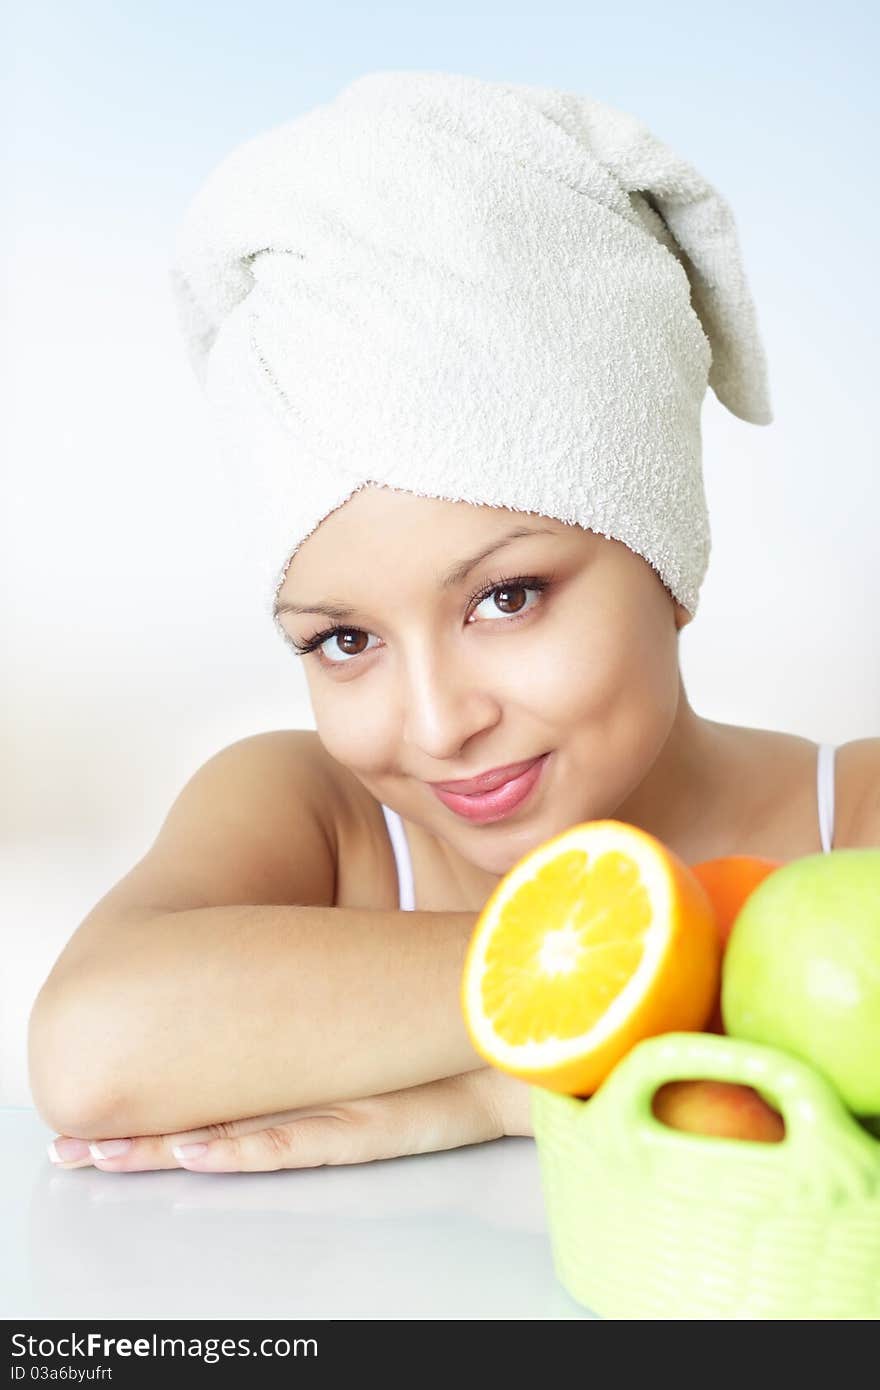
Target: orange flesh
[(602, 942)]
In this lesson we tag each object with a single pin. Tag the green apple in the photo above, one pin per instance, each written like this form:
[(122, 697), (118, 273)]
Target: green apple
[(802, 969)]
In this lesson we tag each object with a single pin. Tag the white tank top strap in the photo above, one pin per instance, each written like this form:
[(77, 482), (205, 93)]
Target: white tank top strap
[(405, 883), (825, 780)]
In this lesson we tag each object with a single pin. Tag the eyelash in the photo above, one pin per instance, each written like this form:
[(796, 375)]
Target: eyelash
[(517, 581)]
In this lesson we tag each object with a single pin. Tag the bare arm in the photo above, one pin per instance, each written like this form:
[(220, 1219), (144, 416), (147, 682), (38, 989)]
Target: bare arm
[(211, 1014)]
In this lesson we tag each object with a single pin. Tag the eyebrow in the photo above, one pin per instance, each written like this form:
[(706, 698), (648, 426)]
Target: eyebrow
[(449, 580)]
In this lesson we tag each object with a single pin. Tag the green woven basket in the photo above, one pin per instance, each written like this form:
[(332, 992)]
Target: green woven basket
[(650, 1222)]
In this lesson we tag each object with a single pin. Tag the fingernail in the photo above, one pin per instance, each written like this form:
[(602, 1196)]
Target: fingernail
[(110, 1148), (183, 1151), (67, 1150)]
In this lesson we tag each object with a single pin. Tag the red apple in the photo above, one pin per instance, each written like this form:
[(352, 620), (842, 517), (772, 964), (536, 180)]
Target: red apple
[(720, 1108)]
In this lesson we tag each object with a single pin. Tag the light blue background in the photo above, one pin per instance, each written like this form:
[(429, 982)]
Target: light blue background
[(114, 530)]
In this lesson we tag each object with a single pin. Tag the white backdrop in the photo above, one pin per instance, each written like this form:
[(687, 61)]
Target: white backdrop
[(134, 646)]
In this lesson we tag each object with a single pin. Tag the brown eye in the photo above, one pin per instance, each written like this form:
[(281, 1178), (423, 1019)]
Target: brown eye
[(509, 597), (504, 601), (338, 644), (351, 642)]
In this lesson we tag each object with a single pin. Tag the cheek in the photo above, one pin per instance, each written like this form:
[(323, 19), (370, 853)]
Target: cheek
[(624, 652), (617, 693), (579, 675), (355, 731)]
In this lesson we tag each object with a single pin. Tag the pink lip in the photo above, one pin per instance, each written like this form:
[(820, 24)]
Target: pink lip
[(485, 781), (499, 801)]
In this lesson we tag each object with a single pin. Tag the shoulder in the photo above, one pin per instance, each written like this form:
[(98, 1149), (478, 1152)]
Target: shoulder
[(254, 824), (349, 815), (296, 763), (280, 763), (858, 792)]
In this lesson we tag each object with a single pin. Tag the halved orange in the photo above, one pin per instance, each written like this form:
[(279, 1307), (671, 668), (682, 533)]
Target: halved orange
[(599, 937)]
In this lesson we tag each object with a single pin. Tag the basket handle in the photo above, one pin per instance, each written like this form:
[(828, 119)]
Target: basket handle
[(824, 1149)]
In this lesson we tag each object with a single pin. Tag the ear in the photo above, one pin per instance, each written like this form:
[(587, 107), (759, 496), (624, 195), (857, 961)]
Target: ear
[(682, 616)]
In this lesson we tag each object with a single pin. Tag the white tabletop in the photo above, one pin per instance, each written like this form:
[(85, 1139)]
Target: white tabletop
[(457, 1234)]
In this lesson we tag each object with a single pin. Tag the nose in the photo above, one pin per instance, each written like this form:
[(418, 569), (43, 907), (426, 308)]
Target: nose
[(445, 704)]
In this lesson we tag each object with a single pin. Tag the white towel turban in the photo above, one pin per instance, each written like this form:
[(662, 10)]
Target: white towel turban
[(470, 290)]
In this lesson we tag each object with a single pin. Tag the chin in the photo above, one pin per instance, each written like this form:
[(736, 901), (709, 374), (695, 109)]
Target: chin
[(512, 843)]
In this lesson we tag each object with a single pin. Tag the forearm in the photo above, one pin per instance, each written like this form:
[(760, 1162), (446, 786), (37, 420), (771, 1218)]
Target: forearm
[(219, 1013)]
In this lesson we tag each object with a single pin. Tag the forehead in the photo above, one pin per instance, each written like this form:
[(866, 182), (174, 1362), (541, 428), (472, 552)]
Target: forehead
[(386, 529)]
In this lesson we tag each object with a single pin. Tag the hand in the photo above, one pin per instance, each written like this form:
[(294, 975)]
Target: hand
[(509, 1099), (443, 1114)]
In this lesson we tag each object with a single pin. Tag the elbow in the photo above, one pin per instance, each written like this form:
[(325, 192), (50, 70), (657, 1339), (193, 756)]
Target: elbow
[(71, 1093)]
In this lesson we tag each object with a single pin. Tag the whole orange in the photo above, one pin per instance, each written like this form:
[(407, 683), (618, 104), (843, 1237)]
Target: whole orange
[(728, 882)]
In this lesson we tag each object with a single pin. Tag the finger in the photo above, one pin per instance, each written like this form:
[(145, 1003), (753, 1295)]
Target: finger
[(67, 1152), (149, 1152), (305, 1143), (442, 1114), (152, 1151), (310, 1142), (352, 1136), (138, 1155)]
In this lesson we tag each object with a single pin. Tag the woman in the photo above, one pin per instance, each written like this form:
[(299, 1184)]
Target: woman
[(461, 331)]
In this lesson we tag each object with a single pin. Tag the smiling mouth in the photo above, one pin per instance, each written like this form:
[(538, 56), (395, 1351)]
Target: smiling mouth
[(501, 801), (486, 781)]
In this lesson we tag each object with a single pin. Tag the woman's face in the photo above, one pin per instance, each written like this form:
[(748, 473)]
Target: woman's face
[(434, 678)]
